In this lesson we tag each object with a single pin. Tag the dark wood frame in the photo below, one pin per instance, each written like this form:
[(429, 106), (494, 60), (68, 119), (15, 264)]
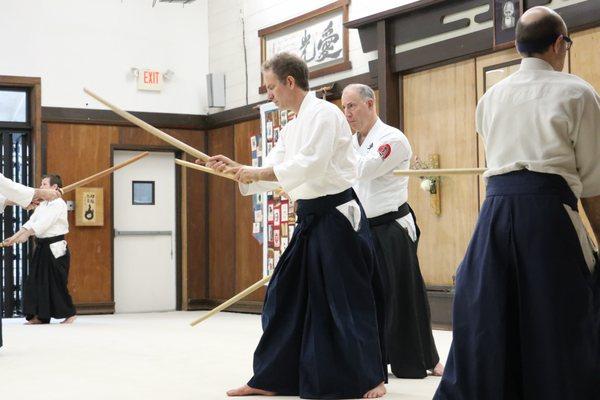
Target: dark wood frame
[(34, 85), (329, 8), (510, 42), (133, 202), (178, 227)]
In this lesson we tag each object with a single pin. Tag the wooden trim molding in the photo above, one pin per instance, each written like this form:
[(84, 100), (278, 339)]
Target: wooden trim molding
[(95, 308), (107, 117), (440, 305), (251, 307)]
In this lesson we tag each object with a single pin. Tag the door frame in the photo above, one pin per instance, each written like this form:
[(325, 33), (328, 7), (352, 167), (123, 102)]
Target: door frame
[(178, 265)]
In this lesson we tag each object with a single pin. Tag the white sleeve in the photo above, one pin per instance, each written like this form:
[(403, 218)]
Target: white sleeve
[(587, 145), (2, 203), (274, 157), (41, 222), (387, 156), (17, 193), (312, 158)]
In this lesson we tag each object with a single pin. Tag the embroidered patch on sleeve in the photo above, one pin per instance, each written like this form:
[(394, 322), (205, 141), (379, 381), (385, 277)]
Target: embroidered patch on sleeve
[(384, 151)]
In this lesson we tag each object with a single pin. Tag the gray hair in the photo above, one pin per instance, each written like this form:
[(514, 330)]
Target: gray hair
[(364, 91)]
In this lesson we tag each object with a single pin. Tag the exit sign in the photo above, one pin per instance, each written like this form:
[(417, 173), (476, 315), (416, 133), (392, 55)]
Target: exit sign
[(150, 80)]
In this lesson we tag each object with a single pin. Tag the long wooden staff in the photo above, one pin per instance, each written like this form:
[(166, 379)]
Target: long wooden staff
[(439, 172), (232, 300), (101, 174), (73, 186), (149, 128), (188, 164)]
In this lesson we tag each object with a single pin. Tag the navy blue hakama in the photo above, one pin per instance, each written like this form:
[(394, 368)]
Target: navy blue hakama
[(524, 313), (321, 337)]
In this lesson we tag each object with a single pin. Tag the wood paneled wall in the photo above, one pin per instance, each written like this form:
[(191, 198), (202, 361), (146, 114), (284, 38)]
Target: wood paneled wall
[(221, 220), (75, 151), (220, 255), (248, 251), (439, 109)]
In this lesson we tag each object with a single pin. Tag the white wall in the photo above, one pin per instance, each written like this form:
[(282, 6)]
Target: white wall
[(226, 46), (94, 43)]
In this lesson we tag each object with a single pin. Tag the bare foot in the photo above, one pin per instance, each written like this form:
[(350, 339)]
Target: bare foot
[(438, 370), (376, 392), (248, 391), (69, 320), (34, 321)]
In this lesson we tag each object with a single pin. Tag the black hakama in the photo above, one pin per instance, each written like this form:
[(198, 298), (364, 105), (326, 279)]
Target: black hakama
[(319, 319), (524, 323), (45, 292), (410, 345)]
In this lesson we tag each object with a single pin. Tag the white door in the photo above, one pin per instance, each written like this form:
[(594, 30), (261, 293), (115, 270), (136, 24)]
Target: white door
[(145, 226)]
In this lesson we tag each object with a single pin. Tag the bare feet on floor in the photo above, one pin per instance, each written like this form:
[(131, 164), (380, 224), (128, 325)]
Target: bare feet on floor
[(376, 392), (69, 320), (248, 391), (438, 370), (34, 321)]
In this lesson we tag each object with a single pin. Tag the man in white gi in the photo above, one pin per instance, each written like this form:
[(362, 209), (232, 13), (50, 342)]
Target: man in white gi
[(13, 193), (525, 316), (320, 329), (45, 292), (381, 149)]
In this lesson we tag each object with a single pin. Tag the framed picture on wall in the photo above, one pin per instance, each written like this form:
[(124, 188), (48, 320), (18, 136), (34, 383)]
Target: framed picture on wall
[(506, 14), (318, 37)]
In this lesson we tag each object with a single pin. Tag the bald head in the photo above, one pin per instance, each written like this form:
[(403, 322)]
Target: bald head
[(537, 29)]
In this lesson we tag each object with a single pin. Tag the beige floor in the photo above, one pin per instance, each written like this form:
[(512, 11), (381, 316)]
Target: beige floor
[(145, 356)]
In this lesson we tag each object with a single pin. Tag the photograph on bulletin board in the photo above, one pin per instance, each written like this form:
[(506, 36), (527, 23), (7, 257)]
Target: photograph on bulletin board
[(278, 214)]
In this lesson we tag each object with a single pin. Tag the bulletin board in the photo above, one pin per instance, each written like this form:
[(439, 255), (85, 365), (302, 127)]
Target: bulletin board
[(274, 213)]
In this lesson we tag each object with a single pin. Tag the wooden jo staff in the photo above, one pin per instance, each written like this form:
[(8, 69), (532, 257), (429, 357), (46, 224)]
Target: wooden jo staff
[(101, 174), (149, 128), (203, 168), (439, 172), (233, 300)]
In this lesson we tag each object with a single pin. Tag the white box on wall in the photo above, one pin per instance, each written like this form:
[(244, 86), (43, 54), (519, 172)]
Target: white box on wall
[(215, 86)]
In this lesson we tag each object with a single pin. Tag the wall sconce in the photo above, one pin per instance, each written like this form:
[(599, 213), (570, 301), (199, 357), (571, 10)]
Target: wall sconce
[(431, 184)]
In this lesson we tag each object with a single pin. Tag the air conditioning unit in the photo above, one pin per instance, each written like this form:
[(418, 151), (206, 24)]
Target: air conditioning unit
[(215, 86)]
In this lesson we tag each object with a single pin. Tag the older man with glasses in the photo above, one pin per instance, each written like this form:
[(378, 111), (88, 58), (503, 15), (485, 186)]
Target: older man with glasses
[(526, 304)]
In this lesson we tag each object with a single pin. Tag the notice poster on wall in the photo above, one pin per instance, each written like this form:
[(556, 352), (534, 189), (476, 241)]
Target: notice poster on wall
[(278, 211)]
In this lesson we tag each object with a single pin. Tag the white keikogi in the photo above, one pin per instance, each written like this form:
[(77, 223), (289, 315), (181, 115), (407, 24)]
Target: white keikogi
[(313, 156), (49, 219), (15, 192), (563, 140), (383, 150)]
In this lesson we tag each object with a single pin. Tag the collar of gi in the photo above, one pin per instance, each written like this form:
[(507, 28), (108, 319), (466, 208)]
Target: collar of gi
[(534, 63)]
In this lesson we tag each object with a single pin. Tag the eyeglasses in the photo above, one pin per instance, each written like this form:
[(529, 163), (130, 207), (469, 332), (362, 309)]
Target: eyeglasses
[(568, 41)]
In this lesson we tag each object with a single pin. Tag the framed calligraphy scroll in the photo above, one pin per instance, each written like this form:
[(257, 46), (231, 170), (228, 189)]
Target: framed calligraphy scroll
[(89, 206), (318, 37)]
